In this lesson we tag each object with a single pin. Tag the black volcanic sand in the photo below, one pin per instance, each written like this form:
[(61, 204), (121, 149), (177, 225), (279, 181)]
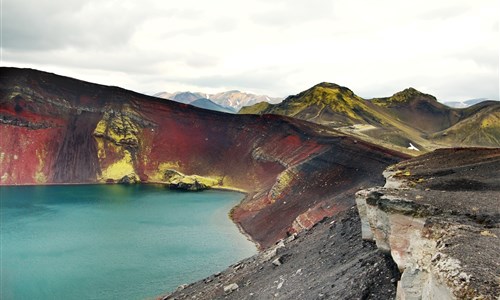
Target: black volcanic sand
[(457, 182), (330, 261), (457, 169)]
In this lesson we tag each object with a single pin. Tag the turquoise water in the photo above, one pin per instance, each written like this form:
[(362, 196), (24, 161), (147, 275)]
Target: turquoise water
[(113, 241)]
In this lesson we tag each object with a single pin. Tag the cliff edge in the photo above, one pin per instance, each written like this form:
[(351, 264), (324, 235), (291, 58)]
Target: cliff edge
[(439, 218)]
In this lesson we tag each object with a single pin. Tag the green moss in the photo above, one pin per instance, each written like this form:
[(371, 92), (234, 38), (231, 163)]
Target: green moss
[(39, 176), (119, 169), (282, 182), (400, 97), (4, 177), (491, 121), (189, 182), (159, 174), (338, 99), (402, 173), (119, 127)]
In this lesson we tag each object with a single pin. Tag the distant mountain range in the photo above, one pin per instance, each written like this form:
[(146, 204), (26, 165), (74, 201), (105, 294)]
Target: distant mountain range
[(406, 117), (230, 101), (464, 104)]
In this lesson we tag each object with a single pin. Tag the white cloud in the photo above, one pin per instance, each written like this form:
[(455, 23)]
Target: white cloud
[(446, 48)]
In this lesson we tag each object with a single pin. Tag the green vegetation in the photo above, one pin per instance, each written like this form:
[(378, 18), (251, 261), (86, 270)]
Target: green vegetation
[(255, 109), (326, 103), (404, 96), (408, 116), (480, 129), (177, 180), (118, 127)]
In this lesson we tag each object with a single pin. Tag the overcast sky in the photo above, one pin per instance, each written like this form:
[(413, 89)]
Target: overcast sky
[(447, 48)]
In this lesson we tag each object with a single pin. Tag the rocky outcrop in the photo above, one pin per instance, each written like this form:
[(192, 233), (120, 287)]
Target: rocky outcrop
[(443, 239), (178, 181), (129, 179)]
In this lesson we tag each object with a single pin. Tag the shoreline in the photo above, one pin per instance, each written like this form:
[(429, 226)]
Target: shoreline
[(240, 228)]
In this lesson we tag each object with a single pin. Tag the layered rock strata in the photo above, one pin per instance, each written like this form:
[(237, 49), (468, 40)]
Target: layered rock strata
[(439, 218)]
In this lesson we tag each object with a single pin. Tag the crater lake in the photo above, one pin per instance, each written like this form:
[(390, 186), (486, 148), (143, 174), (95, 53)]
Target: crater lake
[(113, 241)]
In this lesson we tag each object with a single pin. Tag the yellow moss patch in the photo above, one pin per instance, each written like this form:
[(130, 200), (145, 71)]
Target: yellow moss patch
[(101, 126), (208, 181), (399, 97), (101, 152), (488, 233), (118, 127), (39, 176), (119, 169), (282, 182), (402, 173), (162, 167), (255, 109), (4, 177), (492, 120)]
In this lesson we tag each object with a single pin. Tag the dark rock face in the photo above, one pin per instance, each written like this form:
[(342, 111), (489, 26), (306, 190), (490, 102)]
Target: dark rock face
[(330, 261), (192, 187), (77, 159), (439, 217), (295, 172), (129, 179)]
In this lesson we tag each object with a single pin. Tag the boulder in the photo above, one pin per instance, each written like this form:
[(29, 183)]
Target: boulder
[(230, 288)]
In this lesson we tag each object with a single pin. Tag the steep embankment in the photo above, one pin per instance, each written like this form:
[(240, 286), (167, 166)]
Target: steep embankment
[(439, 218), (406, 117), (330, 261), (61, 130)]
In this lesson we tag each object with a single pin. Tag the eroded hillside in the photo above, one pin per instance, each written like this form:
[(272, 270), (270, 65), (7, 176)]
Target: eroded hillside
[(61, 130)]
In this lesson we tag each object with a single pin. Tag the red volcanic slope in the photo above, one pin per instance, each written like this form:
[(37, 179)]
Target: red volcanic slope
[(56, 129)]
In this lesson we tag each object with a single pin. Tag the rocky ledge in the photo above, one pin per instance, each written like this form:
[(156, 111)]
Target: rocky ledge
[(438, 216), (178, 181)]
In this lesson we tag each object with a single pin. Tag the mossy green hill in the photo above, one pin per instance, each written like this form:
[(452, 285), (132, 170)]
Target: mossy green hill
[(408, 116), (325, 103), (405, 96), (483, 124)]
